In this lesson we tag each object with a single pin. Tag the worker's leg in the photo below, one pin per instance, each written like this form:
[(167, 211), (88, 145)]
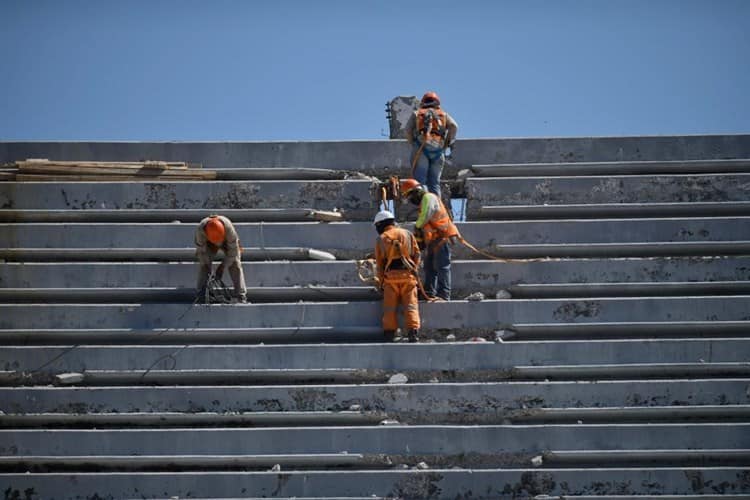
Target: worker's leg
[(204, 269), (390, 303), (442, 265), (430, 271), (423, 164), (408, 298), (238, 279), (434, 171)]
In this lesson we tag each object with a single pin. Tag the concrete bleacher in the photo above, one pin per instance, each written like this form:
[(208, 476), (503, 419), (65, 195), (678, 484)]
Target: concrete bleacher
[(608, 358)]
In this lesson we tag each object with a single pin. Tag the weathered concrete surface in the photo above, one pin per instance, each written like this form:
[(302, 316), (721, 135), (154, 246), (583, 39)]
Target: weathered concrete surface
[(386, 157), (344, 237), (439, 358), (468, 276), (604, 189), (392, 440), (354, 198), (428, 403), (430, 484), (467, 316), (398, 111)]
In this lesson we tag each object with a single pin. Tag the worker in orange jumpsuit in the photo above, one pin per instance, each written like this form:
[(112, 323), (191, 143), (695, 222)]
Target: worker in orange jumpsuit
[(435, 227), (215, 233), (397, 259)]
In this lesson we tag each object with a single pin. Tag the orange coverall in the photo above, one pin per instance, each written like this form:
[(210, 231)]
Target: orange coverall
[(397, 258)]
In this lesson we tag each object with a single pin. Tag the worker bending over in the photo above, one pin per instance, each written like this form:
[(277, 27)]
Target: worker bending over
[(430, 131), (437, 231), (217, 232), (397, 259)]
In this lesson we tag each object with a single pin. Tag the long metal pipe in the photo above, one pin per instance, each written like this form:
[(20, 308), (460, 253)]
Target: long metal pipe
[(169, 215), (151, 254)]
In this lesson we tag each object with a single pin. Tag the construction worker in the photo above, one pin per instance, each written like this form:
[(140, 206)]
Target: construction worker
[(217, 232), (437, 232), (430, 131), (397, 260)]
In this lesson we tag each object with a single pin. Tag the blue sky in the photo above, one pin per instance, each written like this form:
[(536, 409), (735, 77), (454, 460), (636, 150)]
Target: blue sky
[(323, 70)]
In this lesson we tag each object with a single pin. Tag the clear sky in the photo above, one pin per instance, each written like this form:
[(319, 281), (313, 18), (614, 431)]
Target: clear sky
[(307, 70)]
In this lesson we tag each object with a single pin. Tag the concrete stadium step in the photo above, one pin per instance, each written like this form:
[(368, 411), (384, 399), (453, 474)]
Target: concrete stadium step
[(716, 413), (438, 445), (269, 335), (432, 483), (467, 403), (641, 458), (470, 361), (200, 462), (186, 295), (168, 215), (355, 198), (641, 371), (283, 174), (487, 276), (669, 414), (559, 290), (464, 317), (630, 371), (205, 376), (607, 189), (359, 237), (611, 210), (612, 168), (193, 419), (625, 330)]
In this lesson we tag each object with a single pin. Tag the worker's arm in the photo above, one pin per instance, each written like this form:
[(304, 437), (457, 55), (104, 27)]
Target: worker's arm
[(379, 260), (232, 243), (415, 254), (201, 247), (427, 207), (452, 127)]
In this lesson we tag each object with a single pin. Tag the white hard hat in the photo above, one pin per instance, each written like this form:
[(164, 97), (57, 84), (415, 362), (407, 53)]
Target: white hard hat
[(381, 216)]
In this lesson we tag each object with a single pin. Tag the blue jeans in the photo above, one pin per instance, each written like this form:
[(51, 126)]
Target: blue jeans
[(437, 270), (429, 169)]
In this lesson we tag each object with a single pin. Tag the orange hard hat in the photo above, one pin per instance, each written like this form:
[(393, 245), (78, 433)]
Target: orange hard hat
[(408, 185), (430, 98), (214, 230)]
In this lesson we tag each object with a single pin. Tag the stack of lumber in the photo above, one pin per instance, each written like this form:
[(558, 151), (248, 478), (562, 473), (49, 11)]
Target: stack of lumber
[(47, 170)]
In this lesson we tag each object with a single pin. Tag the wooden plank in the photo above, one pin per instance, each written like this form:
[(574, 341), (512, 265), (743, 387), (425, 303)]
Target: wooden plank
[(103, 178), (108, 171), (106, 164)]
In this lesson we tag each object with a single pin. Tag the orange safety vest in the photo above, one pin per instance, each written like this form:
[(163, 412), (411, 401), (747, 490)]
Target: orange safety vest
[(431, 127), (395, 245), (440, 224)]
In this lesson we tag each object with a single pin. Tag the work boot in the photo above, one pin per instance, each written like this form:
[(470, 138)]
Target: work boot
[(413, 335), (242, 299), (389, 335)]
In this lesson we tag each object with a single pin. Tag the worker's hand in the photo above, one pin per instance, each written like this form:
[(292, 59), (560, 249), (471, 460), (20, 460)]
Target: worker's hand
[(219, 271), (453, 240), (418, 233)]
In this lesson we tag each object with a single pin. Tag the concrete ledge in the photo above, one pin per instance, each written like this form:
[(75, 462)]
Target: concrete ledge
[(612, 168), (359, 237), (518, 441), (611, 210), (412, 403), (723, 413), (473, 361), (627, 329), (169, 215), (653, 457), (469, 276), (608, 189), (631, 371), (355, 198), (556, 290), (468, 317)]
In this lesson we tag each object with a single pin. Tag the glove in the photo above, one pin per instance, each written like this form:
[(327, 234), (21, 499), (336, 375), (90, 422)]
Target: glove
[(219, 272)]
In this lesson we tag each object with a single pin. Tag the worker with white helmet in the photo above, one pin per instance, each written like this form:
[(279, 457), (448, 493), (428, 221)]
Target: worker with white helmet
[(397, 259)]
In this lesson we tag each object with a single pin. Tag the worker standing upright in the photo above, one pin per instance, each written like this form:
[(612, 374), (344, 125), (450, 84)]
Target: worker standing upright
[(430, 131), (435, 227), (217, 232), (397, 260)]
